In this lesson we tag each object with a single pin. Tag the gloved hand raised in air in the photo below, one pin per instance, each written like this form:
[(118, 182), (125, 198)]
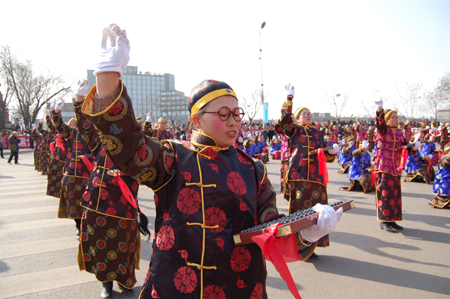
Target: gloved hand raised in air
[(83, 87), (379, 103), (326, 223), (59, 104), (116, 57), (149, 117), (290, 90)]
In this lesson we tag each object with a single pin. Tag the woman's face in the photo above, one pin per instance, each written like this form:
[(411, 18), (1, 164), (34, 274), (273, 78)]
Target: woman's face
[(305, 117), (162, 125), (393, 119), (224, 132)]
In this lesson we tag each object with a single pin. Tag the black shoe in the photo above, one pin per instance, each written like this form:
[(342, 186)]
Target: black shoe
[(387, 226), (126, 291), (313, 257), (396, 226), (107, 289)]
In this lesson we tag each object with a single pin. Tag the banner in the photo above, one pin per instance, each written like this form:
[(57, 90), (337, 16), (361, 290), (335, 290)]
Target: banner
[(266, 113), (24, 141)]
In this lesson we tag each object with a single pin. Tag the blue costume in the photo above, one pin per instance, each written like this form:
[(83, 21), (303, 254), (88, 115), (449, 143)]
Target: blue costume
[(358, 167), (441, 184), (413, 163)]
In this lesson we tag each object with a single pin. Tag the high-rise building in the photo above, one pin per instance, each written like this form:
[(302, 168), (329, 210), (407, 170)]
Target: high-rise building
[(154, 93)]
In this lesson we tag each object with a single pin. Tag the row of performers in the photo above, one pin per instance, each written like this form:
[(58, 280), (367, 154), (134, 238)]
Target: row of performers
[(93, 192)]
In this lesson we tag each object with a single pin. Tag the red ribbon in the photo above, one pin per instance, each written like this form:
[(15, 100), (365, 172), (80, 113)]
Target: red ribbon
[(52, 147), (403, 160), (322, 165), (87, 163), (126, 192), (280, 251), (59, 142)]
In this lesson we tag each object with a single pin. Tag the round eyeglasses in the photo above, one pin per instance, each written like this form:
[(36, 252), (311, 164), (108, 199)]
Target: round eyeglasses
[(225, 113)]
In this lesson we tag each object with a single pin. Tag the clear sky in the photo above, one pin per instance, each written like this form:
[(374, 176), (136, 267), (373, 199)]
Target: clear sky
[(351, 47)]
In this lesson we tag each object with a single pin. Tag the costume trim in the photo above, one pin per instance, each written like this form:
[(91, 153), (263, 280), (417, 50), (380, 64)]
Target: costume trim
[(211, 96)]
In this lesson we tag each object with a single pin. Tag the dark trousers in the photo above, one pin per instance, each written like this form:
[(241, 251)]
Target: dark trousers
[(15, 155), (1, 152)]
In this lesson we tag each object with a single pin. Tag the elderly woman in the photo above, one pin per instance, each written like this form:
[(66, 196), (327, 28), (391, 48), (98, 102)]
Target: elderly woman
[(390, 141), (205, 190)]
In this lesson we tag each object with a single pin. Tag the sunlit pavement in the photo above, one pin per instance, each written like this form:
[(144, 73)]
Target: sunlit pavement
[(38, 251)]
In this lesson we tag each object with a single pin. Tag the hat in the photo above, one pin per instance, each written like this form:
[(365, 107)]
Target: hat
[(207, 91), (446, 149), (138, 119), (161, 119)]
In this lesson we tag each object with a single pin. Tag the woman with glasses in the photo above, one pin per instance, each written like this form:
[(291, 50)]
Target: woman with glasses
[(206, 190), (307, 174)]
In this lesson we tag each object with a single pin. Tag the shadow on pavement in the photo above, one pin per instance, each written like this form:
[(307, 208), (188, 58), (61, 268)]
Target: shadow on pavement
[(279, 283), (383, 274), (373, 245)]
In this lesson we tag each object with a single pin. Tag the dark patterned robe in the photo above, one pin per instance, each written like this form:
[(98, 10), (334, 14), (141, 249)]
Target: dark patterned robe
[(44, 157), (119, 236), (203, 195), (37, 137), (390, 143), (306, 185), (76, 173), (57, 162)]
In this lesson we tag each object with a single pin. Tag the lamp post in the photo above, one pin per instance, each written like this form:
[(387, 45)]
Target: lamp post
[(262, 83)]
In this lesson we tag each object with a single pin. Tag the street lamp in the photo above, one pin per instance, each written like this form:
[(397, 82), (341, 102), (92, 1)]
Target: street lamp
[(260, 58)]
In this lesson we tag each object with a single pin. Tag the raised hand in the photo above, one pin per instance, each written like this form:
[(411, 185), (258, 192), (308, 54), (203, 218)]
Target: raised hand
[(290, 90), (83, 87), (115, 58), (379, 103), (149, 117), (336, 148), (59, 104)]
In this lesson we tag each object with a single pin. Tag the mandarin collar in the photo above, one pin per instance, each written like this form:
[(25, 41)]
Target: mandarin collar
[(203, 140)]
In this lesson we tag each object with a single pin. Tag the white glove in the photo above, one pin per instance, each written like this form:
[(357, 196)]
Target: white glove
[(417, 144), (45, 111), (350, 144), (290, 90), (240, 140), (83, 87), (33, 126), (326, 223), (365, 144), (52, 105), (114, 59), (379, 103), (408, 121), (336, 148), (59, 104), (149, 117)]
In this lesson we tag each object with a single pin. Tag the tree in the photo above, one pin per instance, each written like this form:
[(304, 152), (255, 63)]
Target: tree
[(438, 98), (443, 89), (4, 104), (337, 102), (251, 108), (29, 92), (408, 99)]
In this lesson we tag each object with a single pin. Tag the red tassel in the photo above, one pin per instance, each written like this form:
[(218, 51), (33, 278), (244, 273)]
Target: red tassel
[(87, 163), (322, 165), (279, 251), (126, 192), (52, 147), (59, 142), (372, 177), (403, 160)]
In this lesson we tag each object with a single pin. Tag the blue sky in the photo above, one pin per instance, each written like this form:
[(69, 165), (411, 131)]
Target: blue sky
[(353, 47)]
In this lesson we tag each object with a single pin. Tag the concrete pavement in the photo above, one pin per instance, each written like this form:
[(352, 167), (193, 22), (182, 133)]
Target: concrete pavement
[(38, 251)]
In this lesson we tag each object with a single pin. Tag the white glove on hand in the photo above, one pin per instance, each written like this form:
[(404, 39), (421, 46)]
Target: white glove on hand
[(240, 140), (379, 103), (45, 111), (350, 144), (149, 117), (417, 144), (59, 104), (52, 105), (290, 90), (83, 87), (336, 148), (114, 59), (326, 223), (365, 144), (33, 126)]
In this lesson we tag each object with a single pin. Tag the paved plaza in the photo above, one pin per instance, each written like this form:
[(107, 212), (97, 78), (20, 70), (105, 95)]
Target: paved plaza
[(38, 251)]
